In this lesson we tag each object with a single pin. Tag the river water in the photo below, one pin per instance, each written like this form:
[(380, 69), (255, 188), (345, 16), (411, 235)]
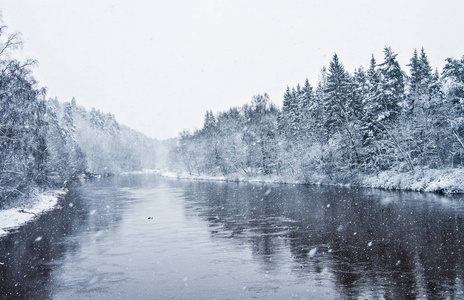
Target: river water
[(147, 237)]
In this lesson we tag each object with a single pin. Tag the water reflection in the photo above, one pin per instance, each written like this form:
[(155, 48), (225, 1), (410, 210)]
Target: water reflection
[(29, 256), (374, 244), (209, 240)]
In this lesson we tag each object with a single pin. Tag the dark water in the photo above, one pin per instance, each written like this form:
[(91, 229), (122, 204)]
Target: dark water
[(145, 237)]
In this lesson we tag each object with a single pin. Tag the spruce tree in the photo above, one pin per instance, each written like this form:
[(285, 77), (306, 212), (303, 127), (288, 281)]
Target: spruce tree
[(307, 107), (420, 79), (453, 72), (391, 93), (340, 106), (372, 106), (337, 102)]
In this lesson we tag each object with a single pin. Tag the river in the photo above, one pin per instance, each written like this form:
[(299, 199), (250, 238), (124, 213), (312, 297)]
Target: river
[(148, 237)]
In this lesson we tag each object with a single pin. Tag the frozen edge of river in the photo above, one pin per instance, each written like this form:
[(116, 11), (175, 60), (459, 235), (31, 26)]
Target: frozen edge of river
[(445, 181), (41, 203)]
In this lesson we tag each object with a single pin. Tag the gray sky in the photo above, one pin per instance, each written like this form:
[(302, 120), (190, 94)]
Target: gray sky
[(159, 65)]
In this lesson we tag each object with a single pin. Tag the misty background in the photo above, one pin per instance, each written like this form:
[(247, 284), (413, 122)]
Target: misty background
[(158, 65)]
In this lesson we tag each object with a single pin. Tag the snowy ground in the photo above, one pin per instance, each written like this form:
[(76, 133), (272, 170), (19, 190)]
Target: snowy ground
[(232, 177), (448, 181), (13, 218)]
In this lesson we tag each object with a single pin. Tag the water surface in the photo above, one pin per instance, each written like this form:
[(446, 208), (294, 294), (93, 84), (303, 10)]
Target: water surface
[(146, 237)]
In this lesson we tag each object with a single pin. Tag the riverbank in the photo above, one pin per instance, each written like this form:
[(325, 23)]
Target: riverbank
[(39, 204), (446, 181)]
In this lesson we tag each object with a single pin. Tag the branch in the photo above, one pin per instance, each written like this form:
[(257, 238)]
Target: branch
[(457, 137), (13, 42)]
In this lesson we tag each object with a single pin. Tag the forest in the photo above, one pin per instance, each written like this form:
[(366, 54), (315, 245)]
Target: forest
[(46, 144), (348, 129)]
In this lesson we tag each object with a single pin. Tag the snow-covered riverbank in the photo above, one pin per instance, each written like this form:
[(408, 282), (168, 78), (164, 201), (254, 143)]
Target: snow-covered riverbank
[(232, 177), (13, 218), (448, 181)]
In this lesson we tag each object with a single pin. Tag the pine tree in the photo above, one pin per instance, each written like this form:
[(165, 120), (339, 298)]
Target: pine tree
[(426, 69), (421, 123), (210, 121), (415, 79), (391, 93), (371, 103), (308, 108), (453, 72), (359, 91), (337, 101), (285, 117), (371, 109), (340, 106), (420, 79)]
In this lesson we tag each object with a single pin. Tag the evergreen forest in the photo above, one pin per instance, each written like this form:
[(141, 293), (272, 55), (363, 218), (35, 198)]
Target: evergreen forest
[(346, 129)]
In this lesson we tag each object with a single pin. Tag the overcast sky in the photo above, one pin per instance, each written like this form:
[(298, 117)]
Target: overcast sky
[(159, 65)]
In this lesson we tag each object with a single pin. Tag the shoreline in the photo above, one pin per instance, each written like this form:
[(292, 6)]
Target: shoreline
[(446, 181), (14, 218)]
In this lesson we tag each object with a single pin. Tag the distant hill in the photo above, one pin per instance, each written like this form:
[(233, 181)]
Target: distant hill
[(96, 138)]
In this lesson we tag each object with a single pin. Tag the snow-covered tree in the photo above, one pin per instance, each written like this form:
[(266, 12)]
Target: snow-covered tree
[(337, 101), (453, 72), (368, 122), (341, 107), (391, 93), (22, 126)]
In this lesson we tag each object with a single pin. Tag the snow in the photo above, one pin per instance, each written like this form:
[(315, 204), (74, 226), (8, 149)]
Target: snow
[(229, 178), (13, 218), (312, 252), (447, 181)]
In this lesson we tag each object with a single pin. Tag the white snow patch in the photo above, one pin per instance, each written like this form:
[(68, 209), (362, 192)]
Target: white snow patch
[(145, 171), (229, 178), (421, 180), (448, 181), (14, 218), (312, 252)]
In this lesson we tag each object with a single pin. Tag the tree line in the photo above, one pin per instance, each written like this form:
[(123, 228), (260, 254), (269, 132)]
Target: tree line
[(349, 126), (47, 144)]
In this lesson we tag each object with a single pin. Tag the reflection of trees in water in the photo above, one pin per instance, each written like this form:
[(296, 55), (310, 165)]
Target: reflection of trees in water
[(29, 255), (394, 249)]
